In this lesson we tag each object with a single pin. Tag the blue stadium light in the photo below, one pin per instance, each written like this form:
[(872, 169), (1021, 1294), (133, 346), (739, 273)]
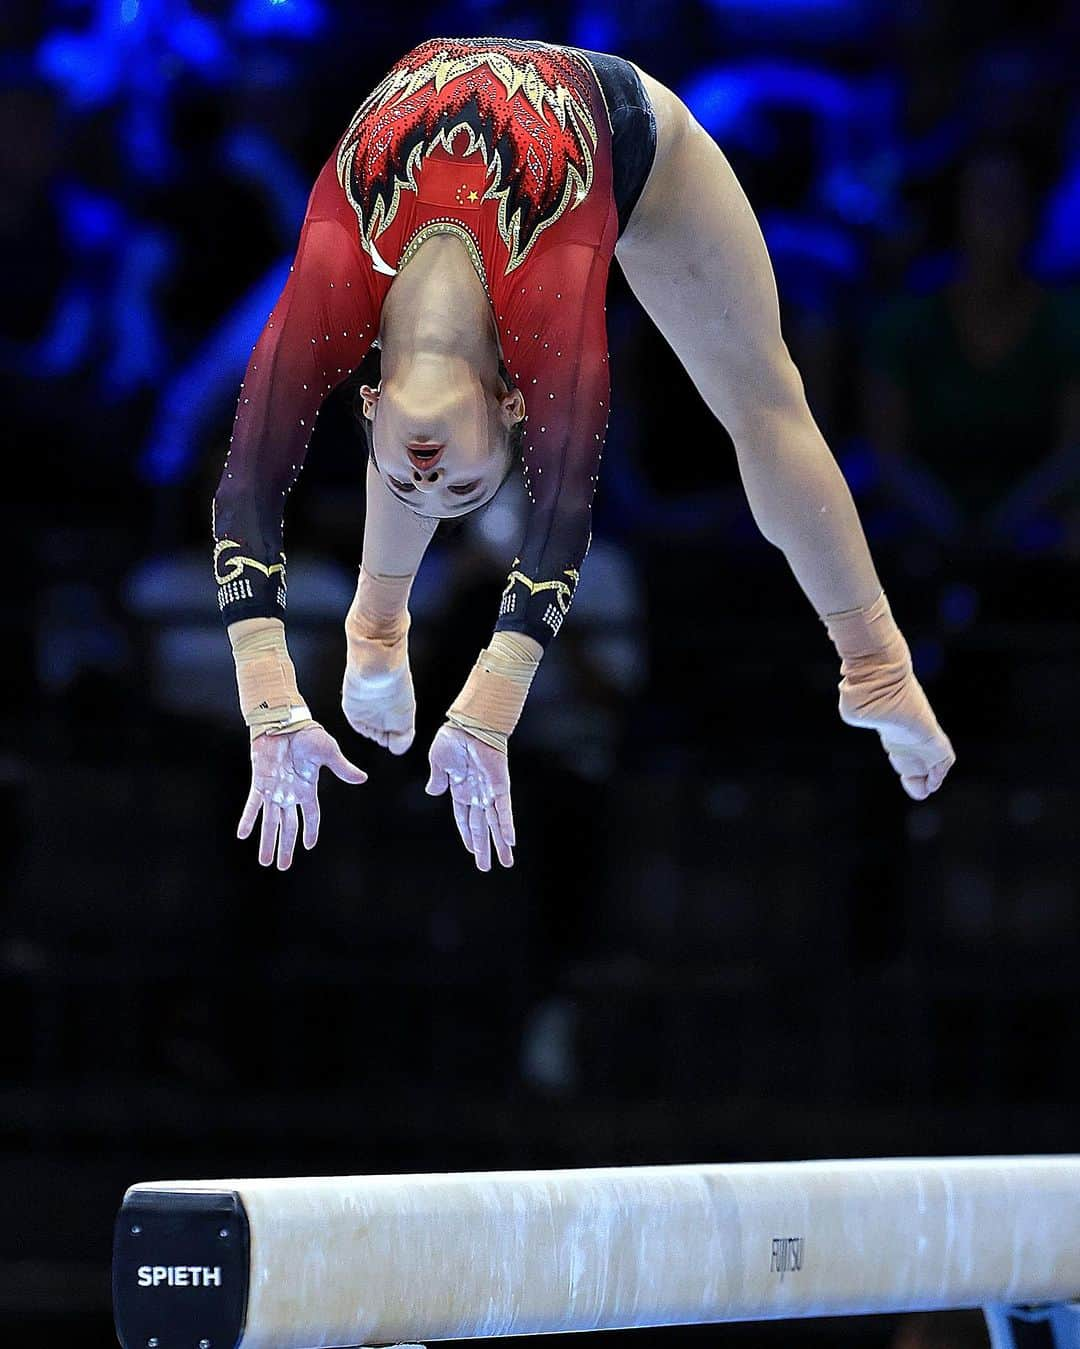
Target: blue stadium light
[(802, 21), (117, 54), (138, 344), (85, 71), (198, 392), (721, 100), (794, 8), (257, 157), (200, 44), (820, 245), (733, 101), (859, 465), (285, 18), (92, 219), (65, 342), (1057, 250), (595, 27)]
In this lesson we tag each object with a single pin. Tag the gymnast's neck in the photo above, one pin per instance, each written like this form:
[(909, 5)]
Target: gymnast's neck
[(437, 309)]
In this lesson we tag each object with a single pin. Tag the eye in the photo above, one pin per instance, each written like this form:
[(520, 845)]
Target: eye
[(400, 486), (465, 489)]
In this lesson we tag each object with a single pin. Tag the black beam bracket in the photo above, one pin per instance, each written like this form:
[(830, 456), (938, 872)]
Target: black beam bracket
[(181, 1270)]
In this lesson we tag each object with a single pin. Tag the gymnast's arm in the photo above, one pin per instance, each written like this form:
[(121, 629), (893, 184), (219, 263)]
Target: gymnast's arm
[(563, 374), (319, 330)]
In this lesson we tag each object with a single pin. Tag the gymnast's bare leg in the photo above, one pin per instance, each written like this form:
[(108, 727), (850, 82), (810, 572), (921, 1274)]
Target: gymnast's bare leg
[(377, 696), (694, 255)]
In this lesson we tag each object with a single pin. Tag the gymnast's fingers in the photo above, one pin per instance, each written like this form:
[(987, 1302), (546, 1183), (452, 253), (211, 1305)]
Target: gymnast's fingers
[(438, 780), (461, 819), (481, 839), (287, 840), (498, 837), (341, 767), (312, 813), (252, 806), (268, 836), (505, 812)]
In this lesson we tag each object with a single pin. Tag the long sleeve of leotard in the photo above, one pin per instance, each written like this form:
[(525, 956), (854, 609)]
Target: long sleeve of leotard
[(320, 328), (555, 344)]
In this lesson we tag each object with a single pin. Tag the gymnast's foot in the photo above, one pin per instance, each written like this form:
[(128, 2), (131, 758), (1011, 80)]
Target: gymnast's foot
[(377, 696)]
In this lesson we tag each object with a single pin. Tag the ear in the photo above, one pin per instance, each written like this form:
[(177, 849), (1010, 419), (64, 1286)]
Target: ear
[(512, 408), (371, 398)]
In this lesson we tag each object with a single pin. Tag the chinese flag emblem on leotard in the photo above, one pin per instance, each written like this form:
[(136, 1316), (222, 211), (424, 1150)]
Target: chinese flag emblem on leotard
[(451, 184)]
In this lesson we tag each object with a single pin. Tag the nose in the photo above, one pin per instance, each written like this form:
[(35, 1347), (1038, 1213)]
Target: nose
[(427, 480)]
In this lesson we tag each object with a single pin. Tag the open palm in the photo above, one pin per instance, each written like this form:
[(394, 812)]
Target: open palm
[(478, 779), (284, 778)]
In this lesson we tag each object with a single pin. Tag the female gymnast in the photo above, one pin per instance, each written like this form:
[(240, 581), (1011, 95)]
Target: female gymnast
[(467, 220)]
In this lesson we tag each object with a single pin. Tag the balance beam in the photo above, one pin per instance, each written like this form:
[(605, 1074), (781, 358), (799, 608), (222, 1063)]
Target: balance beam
[(348, 1260)]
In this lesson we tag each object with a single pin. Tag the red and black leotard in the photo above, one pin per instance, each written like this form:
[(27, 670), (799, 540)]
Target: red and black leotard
[(507, 145)]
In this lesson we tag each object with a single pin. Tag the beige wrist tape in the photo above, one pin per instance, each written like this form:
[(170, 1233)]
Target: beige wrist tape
[(879, 691), (873, 652), (490, 704), (265, 678), (378, 622), (863, 632), (867, 636)]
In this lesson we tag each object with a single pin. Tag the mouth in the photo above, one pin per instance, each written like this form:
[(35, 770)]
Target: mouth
[(424, 453)]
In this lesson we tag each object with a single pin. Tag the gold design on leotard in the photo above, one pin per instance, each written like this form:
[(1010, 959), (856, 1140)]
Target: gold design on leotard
[(563, 593), (445, 226), (235, 565), (406, 93)]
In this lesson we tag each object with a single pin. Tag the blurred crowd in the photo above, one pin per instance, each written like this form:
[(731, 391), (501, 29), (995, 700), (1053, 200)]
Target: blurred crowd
[(916, 168), (729, 908)]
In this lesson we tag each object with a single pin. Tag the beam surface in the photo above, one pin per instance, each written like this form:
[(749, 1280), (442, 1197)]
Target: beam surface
[(382, 1259)]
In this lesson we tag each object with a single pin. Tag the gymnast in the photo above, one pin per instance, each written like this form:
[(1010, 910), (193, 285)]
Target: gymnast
[(466, 221)]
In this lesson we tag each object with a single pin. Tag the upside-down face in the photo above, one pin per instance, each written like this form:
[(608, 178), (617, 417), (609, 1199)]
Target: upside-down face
[(441, 440)]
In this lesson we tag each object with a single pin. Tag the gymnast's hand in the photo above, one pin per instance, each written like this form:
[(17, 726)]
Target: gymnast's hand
[(478, 777), (891, 701), (285, 775)]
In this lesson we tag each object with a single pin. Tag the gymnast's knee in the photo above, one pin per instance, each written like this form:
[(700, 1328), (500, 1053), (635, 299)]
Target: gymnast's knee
[(760, 387)]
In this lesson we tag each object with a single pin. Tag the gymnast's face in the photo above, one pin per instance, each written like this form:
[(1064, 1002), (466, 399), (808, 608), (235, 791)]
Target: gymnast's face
[(441, 440)]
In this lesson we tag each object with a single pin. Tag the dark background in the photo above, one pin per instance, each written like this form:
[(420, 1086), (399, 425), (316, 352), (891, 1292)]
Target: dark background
[(729, 935)]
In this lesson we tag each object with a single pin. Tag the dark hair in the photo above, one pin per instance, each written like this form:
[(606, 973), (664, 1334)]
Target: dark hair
[(369, 371)]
